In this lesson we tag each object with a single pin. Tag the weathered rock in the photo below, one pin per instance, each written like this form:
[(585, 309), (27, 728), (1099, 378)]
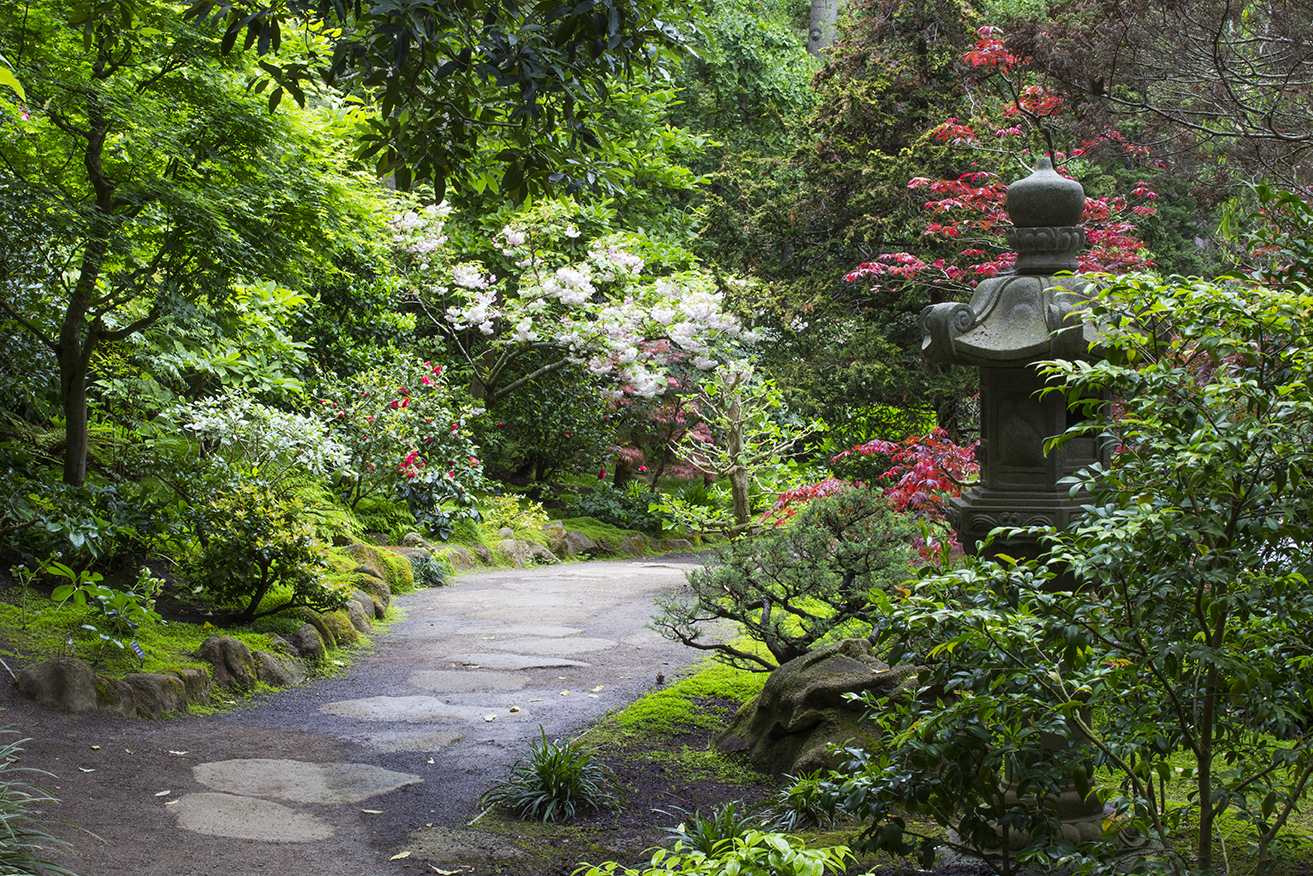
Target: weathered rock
[(540, 553), (382, 565), (308, 642), (802, 708), (677, 544), (633, 545), (156, 695), (196, 682), (410, 554), (231, 660), (115, 697), (278, 670), (361, 619), (365, 601), (554, 531), (483, 553), (63, 683), (379, 593), (340, 628), (458, 556), (516, 551), (415, 540), (579, 544), (505, 532), (321, 626)]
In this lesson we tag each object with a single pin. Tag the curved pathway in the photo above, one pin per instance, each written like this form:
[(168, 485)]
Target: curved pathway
[(372, 772)]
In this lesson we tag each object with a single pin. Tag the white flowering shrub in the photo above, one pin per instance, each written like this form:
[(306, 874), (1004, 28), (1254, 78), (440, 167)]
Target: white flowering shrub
[(542, 285), (248, 439)]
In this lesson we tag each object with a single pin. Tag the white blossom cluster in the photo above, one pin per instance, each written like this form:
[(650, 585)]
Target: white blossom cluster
[(601, 311)]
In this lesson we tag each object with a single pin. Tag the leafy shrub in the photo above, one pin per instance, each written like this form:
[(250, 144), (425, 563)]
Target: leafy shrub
[(755, 853), (625, 509), (827, 576), (514, 512), (554, 783), (253, 541), (23, 843)]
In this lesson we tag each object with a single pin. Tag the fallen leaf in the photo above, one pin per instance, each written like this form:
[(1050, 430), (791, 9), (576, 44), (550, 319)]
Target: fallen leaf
[(430, 760), (535, 701), (515, 708), (599, 687), (565, 693), (594, 696), (95, 748), (179, 753), (127, 751), (445, 872), (163, 793), (374, 812), (399, 855), (170, 802), (87, 769), (490, 717)]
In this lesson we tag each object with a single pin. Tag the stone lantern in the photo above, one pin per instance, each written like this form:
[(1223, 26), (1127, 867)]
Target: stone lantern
[(1011, 323)]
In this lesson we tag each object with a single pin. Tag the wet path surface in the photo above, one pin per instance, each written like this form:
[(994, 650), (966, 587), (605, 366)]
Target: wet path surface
[(338, 776)]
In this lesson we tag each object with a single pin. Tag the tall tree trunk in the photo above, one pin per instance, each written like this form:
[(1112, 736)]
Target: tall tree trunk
[(824, 26)]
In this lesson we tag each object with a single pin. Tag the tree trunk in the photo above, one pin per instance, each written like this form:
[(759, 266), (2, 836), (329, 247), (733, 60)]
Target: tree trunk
[(824, 26)]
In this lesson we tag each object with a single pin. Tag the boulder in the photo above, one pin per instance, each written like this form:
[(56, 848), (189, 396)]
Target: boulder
[(156, 695), (196, 682), (278, 670), (307, 641), (540, 553), (231, 662), (360, 619), (339, 627), (458, 556), (516, 551), (554, 531), (63, 683), (677, 544), (505, 532), (364, 600), (633, 545), (380, 594), (577, 544), (483, 553), (115, 697), (415, 540), (802, 709)]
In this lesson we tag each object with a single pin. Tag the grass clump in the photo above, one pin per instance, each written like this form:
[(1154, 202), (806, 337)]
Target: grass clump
[(555, 782), (24, 844)]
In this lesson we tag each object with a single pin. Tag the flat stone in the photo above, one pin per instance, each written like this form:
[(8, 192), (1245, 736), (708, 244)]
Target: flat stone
[(402, 740), (575, 645), (508, 630), (417, 710), (463, 681), (506, 660), (300, 782), (247, 818)]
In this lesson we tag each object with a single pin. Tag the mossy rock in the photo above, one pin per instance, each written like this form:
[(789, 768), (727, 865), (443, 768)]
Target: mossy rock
[(391, 568)]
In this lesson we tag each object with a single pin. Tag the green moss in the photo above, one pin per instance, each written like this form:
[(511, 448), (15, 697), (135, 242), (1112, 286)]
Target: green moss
[(682, 706), (602, 533)]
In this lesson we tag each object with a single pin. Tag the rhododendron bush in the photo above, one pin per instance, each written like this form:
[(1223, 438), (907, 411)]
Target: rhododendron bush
[(406, 432)]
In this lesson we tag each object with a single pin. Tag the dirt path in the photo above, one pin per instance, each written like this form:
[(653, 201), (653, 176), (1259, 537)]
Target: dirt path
[(337, 776)]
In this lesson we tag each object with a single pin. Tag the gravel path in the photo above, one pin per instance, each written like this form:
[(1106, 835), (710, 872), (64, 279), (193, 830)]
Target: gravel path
[(338, 776)]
